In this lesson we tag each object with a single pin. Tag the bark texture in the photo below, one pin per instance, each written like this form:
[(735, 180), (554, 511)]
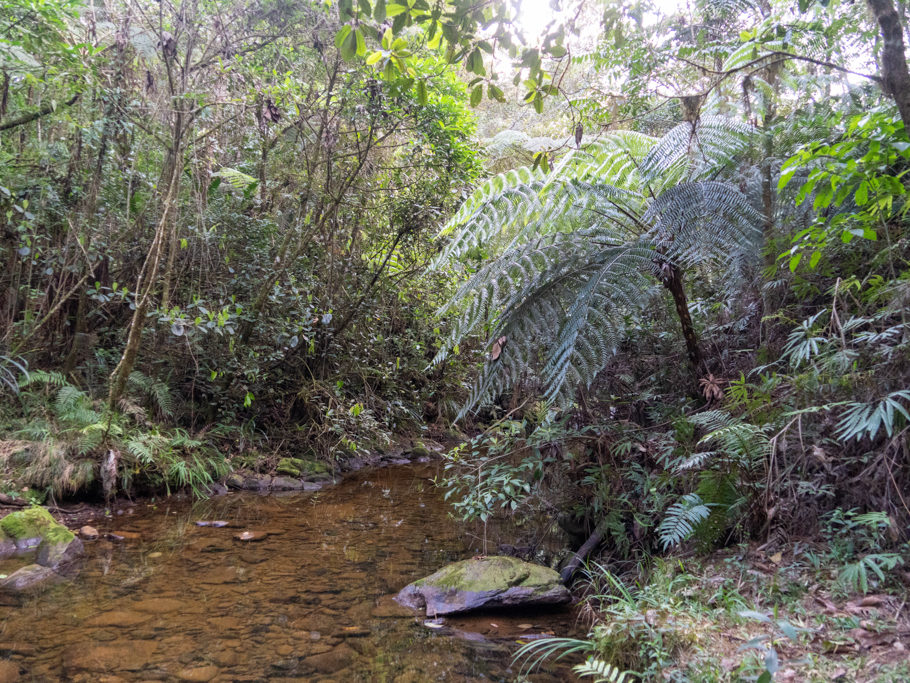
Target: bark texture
[(893, 60)]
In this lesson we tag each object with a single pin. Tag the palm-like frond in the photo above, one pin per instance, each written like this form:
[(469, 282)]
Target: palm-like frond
[(578, 246), (681, 519), (600, 671)]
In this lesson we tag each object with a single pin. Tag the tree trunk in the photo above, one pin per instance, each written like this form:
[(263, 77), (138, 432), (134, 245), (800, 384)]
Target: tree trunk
[(673, 281), (145, 285), (893, 60)]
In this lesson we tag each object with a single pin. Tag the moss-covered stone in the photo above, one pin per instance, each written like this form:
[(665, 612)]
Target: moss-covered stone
[(292, 467), (32, 526), (485, 582), (298, 467), (420, 450), (35, 528)]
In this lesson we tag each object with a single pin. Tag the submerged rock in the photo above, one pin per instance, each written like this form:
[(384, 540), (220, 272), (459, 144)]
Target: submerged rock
[(9, 671), (483, 583), (251, 536), (32, 577)]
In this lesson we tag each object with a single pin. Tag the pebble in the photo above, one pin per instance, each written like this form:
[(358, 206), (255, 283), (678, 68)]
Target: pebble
[(89, 532), (250, 536), (9, 671), (198, 673)]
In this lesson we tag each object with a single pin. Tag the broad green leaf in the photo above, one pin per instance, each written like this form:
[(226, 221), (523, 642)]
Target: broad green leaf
[(476, 95)]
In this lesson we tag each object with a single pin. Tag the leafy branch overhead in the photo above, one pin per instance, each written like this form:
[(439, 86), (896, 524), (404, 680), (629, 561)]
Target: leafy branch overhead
[(466, 32)]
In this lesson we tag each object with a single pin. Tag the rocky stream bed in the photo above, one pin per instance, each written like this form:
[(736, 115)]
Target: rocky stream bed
[(287, 586)]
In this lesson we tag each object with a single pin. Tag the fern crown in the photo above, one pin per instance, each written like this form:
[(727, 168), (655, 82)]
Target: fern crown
[(577, 248)]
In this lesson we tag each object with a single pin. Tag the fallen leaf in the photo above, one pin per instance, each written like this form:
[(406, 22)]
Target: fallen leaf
[(776, 558), (525, 627), (498, 346), (872, 601)]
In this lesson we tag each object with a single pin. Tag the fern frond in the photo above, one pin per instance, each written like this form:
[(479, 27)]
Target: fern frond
[(601, 671), (154, 390), (42, 378), (694, 223), (681, 520), (236, 179), (694, 151), (576, 248)]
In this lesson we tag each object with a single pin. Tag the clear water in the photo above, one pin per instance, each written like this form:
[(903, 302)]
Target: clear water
[(309, 601)]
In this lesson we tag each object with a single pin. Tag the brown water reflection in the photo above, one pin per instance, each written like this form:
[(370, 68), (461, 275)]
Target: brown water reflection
[(310, 601)]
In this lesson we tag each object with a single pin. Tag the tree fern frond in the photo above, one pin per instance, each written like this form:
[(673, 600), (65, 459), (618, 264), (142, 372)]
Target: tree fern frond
[(692, 151), (576, 248), (697, 222), (236, 179)]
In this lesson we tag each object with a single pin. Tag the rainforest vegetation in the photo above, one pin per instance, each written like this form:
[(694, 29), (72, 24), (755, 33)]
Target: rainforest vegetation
[(642, 266)]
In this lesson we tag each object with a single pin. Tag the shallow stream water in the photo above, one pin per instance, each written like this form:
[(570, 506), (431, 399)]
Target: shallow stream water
[(309, 600)]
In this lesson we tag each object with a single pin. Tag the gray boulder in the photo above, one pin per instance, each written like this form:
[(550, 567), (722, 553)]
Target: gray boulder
[(483, 583), (32, 577)]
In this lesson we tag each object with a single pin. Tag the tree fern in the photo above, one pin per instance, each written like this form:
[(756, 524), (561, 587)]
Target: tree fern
[(578, 248), (236, 179)]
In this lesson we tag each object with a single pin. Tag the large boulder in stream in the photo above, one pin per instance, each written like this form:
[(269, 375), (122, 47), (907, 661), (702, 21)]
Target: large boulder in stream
[(482, 583), (34, 529)]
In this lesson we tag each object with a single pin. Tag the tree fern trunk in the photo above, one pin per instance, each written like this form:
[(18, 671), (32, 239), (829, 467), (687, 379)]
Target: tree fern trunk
[(673, 281)]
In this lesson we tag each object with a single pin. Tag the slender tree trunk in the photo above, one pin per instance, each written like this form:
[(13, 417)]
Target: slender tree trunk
[(145, 285), (673, 281), (893, 59)]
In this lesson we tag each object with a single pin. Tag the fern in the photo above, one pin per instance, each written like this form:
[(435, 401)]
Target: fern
[(681, 520), (236, 179), (577, 249), (43, 378), (601, 671), (737, 440), (155, 391)]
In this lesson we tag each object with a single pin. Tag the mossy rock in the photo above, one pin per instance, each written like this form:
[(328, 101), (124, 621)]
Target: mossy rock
[(420, 450), (298, 467), (292, 467), (484, 582), (35, 528), (30, 527)]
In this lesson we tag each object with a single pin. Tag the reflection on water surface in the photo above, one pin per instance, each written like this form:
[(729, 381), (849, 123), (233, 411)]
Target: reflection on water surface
[(306, 597)]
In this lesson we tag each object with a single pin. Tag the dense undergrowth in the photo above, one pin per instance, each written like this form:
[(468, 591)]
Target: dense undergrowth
[(675, 324)]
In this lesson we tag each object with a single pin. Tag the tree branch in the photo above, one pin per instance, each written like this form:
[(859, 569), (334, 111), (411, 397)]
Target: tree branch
[(37, 114)]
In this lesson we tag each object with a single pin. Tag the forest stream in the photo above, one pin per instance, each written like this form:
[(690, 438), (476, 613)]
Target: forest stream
[(309, 597)]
